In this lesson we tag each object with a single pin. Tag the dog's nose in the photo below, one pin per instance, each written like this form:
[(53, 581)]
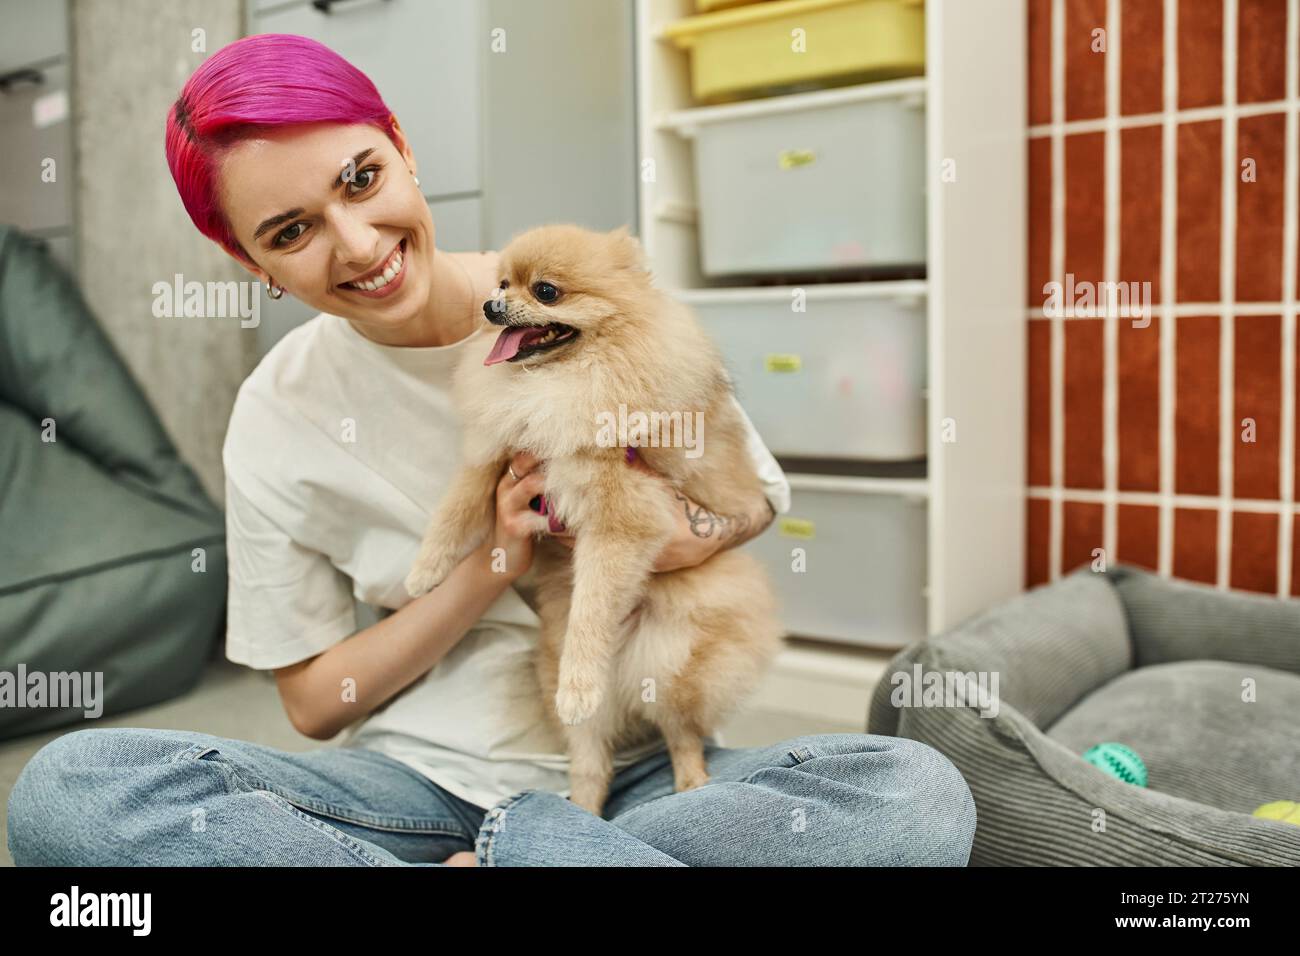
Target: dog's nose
[(495, 311)]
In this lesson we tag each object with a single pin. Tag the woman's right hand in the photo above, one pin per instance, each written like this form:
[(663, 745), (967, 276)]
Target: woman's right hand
[(516, 523)]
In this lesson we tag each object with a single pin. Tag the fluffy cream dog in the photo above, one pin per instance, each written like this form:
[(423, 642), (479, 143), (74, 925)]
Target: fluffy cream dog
[(623, 651)]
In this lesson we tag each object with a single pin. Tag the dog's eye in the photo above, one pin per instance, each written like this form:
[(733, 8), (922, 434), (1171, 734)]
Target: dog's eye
[(545, 292)]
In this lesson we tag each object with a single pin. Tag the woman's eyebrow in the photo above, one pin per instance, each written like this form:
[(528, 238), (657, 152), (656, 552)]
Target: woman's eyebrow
[(274, 221), (351, 165)]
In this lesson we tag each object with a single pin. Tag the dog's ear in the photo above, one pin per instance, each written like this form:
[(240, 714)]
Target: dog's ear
[(628, 252)]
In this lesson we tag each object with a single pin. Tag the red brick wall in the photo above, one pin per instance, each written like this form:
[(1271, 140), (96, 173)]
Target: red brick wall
[(1163, 149)]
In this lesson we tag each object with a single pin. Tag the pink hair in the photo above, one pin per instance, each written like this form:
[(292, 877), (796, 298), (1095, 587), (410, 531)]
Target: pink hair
[(257, 83)]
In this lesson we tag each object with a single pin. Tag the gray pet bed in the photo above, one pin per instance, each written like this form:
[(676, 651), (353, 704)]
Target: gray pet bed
[(1129, 657)]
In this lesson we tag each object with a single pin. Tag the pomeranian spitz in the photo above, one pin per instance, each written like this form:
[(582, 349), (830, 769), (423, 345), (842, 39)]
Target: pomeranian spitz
[(577, 329)]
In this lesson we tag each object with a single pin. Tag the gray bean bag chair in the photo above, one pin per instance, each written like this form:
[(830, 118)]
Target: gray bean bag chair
[(98, 528), (1203, 684)]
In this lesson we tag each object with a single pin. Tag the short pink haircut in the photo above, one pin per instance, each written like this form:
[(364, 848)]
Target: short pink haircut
[(260, 82)]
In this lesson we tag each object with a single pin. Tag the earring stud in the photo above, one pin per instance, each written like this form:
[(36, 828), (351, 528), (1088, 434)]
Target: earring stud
[(416, 178)]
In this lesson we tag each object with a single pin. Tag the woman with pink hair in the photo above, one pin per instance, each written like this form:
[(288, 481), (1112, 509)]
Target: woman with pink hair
[(339, 446)]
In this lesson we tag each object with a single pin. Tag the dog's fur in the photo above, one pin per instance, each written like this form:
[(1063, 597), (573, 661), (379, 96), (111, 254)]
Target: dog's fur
[(622, 651)]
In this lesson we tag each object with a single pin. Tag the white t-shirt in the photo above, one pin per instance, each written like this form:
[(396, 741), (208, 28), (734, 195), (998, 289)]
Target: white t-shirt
[(337, 453)]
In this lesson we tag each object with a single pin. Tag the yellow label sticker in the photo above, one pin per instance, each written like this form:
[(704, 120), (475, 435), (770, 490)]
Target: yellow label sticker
[(794, 158), (782, 362), (795, 528)]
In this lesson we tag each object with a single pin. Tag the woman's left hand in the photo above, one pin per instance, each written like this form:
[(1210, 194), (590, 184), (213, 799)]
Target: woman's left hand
[(686, 548)]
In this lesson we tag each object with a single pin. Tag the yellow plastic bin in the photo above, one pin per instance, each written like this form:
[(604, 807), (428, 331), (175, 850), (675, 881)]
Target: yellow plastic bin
[(799, 44), (708, 6)]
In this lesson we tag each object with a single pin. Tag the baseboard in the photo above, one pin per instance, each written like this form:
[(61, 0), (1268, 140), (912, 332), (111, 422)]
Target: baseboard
[(831, 682)]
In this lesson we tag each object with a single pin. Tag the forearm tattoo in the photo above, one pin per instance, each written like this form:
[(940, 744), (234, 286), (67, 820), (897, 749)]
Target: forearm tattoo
[(705, 522)]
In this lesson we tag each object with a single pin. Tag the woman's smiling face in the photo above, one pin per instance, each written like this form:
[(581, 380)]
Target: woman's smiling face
[(323, 207)]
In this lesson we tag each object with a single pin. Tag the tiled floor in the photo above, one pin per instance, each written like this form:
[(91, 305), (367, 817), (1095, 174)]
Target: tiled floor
[(233, 701)]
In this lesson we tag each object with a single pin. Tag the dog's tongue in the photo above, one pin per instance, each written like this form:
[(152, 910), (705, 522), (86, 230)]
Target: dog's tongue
[(509, 342)]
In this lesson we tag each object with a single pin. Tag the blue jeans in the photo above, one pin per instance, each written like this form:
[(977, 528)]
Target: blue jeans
[(128, 796)]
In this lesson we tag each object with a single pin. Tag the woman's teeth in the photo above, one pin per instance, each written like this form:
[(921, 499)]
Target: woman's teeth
[(393, 266)]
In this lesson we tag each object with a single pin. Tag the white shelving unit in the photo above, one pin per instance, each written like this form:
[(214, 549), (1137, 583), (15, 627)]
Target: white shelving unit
[(973, 94)]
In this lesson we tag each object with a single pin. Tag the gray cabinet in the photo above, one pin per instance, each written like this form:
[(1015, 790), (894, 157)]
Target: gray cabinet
[(560, 129), (34, 151), (458, 224), (36, 174), (32, 32)]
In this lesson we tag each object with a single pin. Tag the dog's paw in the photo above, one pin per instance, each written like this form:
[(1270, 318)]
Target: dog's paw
[(426, 576), (419, 582), (689, 781), (592, 806), (576, 701)]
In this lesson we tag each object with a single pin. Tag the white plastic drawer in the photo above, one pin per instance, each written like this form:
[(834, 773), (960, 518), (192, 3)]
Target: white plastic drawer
[(864, 561), (821, 189), (843, 379)]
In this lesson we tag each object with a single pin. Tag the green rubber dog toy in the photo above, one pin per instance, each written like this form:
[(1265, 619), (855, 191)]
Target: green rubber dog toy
[(1118, 761)]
